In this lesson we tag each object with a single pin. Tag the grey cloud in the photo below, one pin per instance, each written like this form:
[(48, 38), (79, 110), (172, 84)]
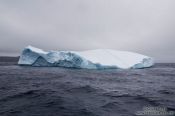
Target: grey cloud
[(144, 26)]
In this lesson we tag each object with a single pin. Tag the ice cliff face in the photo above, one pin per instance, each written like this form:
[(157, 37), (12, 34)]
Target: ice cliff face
[(92, 59)]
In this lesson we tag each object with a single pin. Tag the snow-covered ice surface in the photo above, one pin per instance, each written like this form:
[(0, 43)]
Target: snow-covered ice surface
[(92, 59)]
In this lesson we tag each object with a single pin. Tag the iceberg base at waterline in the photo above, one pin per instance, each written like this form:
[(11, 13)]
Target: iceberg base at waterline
[(91, 59)]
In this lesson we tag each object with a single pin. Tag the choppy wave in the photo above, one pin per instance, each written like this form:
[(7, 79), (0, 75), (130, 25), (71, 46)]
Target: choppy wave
[(33, 91)]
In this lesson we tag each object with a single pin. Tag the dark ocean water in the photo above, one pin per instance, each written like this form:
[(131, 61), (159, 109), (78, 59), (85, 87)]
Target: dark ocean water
[(54, 91)]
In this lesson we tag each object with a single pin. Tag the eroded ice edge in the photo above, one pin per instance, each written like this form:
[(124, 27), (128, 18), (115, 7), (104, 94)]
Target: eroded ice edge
[(92, 59)]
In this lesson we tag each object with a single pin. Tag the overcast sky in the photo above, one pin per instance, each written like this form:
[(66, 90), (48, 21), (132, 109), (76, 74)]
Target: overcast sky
[(143, 26)]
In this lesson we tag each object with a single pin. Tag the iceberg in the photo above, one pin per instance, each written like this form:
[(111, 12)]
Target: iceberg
[(91, 59)]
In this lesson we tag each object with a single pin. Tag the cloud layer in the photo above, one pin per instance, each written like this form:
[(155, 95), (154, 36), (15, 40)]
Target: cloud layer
[(144, 26)]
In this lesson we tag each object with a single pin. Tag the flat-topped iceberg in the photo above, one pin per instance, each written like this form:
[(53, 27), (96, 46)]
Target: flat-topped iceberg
[(92, 59)]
